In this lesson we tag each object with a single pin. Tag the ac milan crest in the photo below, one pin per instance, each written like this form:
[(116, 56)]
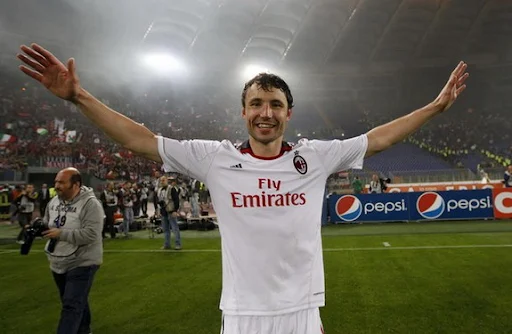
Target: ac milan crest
[(300, 164)]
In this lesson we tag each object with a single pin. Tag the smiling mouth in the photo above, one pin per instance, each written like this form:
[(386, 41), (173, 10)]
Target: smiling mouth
[(265, 126)]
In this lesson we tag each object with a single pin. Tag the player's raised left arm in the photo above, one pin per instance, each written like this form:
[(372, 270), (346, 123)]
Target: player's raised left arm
[(386, 135)]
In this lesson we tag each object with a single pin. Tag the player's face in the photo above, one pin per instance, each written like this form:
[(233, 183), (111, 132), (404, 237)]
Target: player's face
[(266, 114)]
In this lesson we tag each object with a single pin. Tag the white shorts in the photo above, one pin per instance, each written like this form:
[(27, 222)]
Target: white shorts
[(300, 322)]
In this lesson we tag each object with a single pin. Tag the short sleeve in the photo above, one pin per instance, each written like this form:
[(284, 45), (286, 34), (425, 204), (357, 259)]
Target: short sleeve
[(338, 155), (188, 157)]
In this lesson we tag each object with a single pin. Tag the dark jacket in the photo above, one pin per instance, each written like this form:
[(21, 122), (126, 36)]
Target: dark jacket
[(175, 197), (507, 180), (109, 199), (196, 186), (44, 197)]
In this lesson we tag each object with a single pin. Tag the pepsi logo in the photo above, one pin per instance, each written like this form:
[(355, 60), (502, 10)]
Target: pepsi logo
[(349, 208), (430, 205)]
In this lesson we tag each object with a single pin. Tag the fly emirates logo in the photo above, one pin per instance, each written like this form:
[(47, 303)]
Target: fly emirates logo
[(268, 197)]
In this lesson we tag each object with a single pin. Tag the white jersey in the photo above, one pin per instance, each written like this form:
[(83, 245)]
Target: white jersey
[(269, 214)]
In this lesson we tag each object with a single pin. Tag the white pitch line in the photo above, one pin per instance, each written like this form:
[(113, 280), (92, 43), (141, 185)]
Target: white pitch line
[(386, 244), (162, 251), (9, 251), (325, 249), (133, 251), (415, 247)]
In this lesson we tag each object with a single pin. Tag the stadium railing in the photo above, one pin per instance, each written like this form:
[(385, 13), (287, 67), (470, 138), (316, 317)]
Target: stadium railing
[(442, 175), (495, 173)]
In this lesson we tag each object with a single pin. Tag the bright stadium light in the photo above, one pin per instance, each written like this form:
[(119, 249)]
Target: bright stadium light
[(252, 70), (162, 63)]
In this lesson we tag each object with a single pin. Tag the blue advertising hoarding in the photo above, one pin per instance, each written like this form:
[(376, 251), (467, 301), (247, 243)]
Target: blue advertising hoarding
[(374, 207), (413, 206), (466, 204)]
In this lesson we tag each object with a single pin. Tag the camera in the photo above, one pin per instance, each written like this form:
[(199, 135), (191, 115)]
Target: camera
[(36, 229)]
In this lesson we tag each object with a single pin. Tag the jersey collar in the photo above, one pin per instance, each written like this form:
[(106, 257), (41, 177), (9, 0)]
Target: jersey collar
[(245, 148)]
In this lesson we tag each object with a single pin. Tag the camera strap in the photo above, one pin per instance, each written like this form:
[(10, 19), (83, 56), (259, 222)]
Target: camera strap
[(61, 256)]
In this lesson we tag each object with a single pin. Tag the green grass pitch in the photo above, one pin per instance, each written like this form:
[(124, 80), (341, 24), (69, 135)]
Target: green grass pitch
[(448, 277)]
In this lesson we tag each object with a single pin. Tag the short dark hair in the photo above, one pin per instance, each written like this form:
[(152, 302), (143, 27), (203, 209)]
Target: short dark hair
[(76, 178), (267, 82)]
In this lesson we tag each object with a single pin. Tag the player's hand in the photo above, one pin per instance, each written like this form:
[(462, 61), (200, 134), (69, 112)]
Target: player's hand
[(52, 233), (453, 88), (59, 79)]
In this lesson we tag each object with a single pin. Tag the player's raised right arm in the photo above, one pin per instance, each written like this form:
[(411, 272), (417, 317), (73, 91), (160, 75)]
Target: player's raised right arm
[(132, 135), (63, 82)]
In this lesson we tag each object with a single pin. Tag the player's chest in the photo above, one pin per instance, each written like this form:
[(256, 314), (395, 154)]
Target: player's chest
[(286, 174)]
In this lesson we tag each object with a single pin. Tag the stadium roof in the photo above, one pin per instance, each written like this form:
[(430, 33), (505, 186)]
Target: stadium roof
[(313, 35)]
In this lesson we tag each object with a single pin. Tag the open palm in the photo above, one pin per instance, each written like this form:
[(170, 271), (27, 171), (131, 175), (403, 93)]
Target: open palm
[(59, 79), (453, 88)]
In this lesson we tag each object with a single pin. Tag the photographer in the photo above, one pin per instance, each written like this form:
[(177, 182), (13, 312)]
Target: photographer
[(44, 198), (75, 221), (169, 202), (109, 199), (378, 185), (25, 205), (126, 201), (144, 195), (507, 177)]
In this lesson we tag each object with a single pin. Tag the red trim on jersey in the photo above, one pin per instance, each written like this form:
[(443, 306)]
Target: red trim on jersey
[(246, 149)]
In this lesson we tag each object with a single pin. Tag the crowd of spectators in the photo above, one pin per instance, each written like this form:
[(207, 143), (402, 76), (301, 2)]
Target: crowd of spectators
[(40, 130), (47, 132), (463, 137)]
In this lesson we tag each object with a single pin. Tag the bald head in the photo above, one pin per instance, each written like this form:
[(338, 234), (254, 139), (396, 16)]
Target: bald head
[(68, 182), (70, 169), (73, 175)]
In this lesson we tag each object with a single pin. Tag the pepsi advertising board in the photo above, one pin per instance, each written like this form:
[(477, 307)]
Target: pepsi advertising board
[(368, 208), (413, 206), (473, 204)]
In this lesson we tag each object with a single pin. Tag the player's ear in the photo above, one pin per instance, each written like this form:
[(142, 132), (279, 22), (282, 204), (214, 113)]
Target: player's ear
[(244, 114), (289, 114)]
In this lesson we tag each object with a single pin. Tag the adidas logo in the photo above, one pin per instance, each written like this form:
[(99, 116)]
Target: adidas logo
[(236, 166)]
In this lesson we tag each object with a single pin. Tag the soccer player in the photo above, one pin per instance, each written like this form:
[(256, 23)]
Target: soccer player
[(267, 193)]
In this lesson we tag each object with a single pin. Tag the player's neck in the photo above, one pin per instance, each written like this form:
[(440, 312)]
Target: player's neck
[(269, 150)]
